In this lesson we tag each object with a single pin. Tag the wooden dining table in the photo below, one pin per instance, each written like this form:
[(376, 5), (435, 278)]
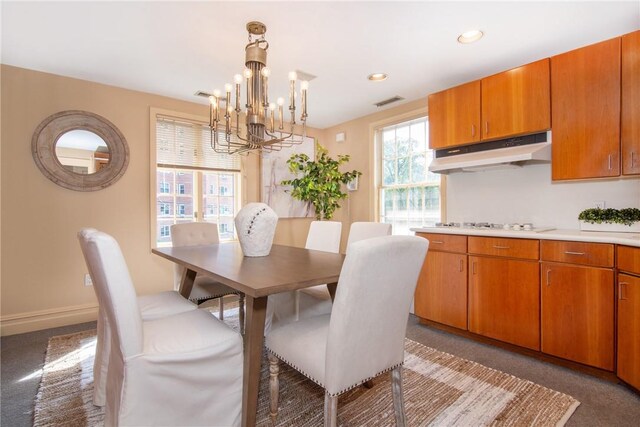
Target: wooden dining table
[(286, 268)]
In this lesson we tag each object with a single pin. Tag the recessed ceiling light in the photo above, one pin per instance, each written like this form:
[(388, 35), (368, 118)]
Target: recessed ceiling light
[(377, 77), (470, 36)]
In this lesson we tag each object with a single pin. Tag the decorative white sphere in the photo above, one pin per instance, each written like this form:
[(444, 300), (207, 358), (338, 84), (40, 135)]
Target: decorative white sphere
[(256, 226)]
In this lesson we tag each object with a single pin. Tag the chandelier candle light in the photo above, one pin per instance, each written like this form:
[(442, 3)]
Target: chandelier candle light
[(260, 114)]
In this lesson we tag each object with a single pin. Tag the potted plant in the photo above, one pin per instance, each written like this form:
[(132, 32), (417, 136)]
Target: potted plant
[(614, 220), (320, 182)]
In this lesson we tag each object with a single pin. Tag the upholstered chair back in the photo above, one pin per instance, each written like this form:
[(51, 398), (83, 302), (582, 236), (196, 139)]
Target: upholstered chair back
[(324, 236), (194, 234), (114, 290), (367, 230), (369, 318)]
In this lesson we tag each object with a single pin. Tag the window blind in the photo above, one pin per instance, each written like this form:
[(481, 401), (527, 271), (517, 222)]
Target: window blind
[(181, 144)]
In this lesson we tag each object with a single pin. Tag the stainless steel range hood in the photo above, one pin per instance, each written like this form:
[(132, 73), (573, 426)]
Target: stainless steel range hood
[(502, 154)]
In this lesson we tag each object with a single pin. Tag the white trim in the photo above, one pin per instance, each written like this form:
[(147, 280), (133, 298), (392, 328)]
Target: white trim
[(44, 319)]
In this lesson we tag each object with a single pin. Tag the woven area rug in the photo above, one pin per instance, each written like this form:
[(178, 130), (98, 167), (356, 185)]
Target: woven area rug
[(439, 389)]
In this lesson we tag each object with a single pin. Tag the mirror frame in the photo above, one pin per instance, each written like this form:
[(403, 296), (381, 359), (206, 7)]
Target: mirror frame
[(43, 149)]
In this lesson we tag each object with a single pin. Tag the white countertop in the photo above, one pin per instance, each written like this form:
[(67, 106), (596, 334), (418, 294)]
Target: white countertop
[(629, 239)]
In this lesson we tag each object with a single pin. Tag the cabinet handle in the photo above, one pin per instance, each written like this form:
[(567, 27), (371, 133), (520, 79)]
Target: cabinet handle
[(549, 277), (609, 156), (439, 242), (473, 265), (573, 253), (473, 133), (500, 247), (461, 266), (620, 287), (486, 128), (633, 161)]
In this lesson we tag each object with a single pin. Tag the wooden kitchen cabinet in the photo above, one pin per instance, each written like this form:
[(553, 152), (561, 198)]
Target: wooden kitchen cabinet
[(585, 109), (516, 102), (628, 367), (629, 329), (577, 313), (454, 116), (504, 300), (630, 124), (441, 292)]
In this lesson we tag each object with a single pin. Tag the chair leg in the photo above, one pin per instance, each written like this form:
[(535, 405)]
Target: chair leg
[(274, 386), (221, 308), (398, 400), (330, 410), (241, 313)]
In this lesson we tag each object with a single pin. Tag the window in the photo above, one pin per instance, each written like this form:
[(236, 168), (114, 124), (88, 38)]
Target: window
[(186, 163), (409, 195), (165, 209)]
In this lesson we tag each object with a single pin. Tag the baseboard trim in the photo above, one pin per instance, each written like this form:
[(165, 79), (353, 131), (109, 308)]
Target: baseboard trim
[(44, 319)]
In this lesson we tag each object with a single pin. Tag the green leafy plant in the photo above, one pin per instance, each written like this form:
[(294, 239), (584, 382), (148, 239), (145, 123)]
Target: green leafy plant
[(625, 216), (320, 182)]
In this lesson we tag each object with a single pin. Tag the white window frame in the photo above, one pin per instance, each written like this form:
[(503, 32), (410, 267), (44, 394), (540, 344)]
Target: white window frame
[(375, 161), (240, 196)]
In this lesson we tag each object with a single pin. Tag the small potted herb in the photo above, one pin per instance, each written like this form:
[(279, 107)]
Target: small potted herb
[(613, 220)]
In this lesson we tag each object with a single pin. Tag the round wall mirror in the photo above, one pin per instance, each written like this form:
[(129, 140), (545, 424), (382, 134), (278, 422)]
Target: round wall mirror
[(79, 150), (82, 151)]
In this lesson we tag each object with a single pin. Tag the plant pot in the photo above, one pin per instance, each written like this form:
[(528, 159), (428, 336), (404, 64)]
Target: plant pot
[(256, 226), (610, 227)]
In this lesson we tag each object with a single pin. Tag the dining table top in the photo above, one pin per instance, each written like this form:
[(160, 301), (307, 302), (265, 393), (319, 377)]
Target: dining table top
[(286, 268)]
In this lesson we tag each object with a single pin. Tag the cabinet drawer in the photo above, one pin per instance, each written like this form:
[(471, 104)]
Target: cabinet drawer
[(629, 259), (445, 242), (498, 246), (595, 254)]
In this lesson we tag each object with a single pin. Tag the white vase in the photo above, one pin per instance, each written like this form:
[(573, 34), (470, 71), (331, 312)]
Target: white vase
[(256, 226)]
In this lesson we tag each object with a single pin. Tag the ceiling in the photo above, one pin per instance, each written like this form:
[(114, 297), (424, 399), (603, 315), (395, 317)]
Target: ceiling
[(178, 48)]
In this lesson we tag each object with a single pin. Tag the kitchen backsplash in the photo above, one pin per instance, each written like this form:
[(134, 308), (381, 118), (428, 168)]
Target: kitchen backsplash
[(528, 195)]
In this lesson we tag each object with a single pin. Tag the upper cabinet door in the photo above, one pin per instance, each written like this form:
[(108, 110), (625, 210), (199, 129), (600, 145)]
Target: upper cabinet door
[(516, 102), (454, 116), (630, 146), (585, 108)]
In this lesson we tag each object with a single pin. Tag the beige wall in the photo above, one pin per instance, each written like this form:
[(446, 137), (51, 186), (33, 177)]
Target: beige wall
[(42, 266)]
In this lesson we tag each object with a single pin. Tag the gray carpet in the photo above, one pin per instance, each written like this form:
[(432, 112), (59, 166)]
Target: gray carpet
[(602, 403)]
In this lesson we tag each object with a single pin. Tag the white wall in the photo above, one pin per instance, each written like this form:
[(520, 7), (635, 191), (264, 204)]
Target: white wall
[(527, 194)]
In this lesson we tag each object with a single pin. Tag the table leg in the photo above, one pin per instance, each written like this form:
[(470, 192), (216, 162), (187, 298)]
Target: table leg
[(256, 309), (186, 283), (332, 287)]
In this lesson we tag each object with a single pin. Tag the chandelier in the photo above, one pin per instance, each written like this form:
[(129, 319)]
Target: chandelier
[(262, 130)]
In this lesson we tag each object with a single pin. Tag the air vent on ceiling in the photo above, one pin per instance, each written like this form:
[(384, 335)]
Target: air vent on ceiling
[(203, 94), (388, 101)]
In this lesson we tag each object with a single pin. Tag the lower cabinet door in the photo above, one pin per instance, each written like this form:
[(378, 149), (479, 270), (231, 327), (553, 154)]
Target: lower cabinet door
[(577, 313), (504, 300), (629, 329), (441, 293)]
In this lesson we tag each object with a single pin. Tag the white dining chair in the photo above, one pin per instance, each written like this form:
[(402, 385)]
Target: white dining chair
[(353, 344), (287, 306), (184, 369), (153, 306), (204, 288), (316, 299)]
